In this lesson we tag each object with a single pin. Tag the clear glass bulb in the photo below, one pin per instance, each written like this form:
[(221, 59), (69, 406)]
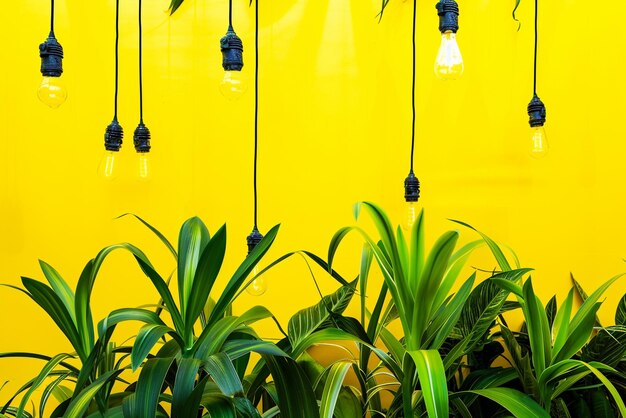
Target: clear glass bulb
[(539, 142), (410, 215), (258, 285), (107, 168), (233, 85), (52, 91), (449, 62), (144, 170)]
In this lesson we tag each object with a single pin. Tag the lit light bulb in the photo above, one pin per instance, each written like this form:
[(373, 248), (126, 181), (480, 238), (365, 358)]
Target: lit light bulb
[(107, 169), (258, 285), (449, 62), (233, 85), (539, 142), (52, 91), (144, 172)]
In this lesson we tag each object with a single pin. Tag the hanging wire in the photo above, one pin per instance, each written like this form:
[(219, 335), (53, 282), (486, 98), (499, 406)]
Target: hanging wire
[(535, 63), (230, 14), (51, 16), (117, 41), (140, 69), (413, 87), (256, 108)]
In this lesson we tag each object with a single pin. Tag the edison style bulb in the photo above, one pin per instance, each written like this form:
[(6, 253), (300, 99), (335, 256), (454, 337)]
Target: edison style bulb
[(52, 91), (258, 285), (539, 142), (144, 170), (233, 85), (108, 165), (449, 63)]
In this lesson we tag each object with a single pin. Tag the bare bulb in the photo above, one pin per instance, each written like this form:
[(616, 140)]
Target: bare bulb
[(410, 215), (52, 91), (449, 62), (233, 85), (539, 142), (258, 285), (144, 169), (107, 169)]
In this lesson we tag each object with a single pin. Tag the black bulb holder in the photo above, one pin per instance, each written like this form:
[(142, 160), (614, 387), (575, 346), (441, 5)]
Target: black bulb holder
[(51, 53), (448, 11), (113, 136), (141, 138), (536, 112), (411, 188), (232, 51), (253, 239)]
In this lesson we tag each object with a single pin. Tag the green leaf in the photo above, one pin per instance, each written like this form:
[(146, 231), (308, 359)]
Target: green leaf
[(308, 320), (620, 312), (296, 398), (332, 388), (81, 401), (60, 286), (608, 346), (538, 331), (495, 249), (221, 369), (560, 328), (143, 403), (156, 232), (432, 377), (239, 348), (518, 403), (175, 4), (148, 336), (184, 384), (192, 240), (127, 314)]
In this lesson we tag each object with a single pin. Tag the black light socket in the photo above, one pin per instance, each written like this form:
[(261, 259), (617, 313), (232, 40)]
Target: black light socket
[(448, 11), (113, 136), (411, 188), (253, 239), (536, 112), (232, 51), (51, 53), (141, 138)]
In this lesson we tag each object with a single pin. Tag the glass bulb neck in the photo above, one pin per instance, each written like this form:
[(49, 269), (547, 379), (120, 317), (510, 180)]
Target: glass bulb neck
[(232, 51), (113, 136), (448, 11), (51, 54), (411, 188), (253, 239), (536, 112)]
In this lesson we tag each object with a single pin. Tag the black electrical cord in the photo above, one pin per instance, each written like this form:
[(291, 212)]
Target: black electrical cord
[(117, 41), (535, 63), (413, 87), (230, 13), (256, 108), (140, 69), (51, 16)]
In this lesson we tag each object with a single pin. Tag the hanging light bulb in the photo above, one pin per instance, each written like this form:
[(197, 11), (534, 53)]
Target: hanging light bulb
[(411, 196), (112, 144), (141, 138), (536, 109), (52, 89), (449, 62), (259, 284), (114, 133), (537, 118), (233, 84)]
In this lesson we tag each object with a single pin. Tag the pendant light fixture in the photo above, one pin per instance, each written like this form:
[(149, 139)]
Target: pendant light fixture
[(449, 62), (411, 183), (114, 133), (141, 137), (536, 109), (258, 285), (52, 90), (233, 83)]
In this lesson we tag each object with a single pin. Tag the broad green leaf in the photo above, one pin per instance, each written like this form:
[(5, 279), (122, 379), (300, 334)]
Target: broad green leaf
[(590, 303), (432, 378), (238, 348), (184, 384), (221, 369), (416, 260), (495, 249), (608, 346), (143, 403), (538, 331), (518, 403), (192, 240), (522, 364), (148, 336), (60, 286), (308, 320), (127, 314), (295, 394), (578, 336), (348, 404), (332, 388), (560, 327), (82, 400)]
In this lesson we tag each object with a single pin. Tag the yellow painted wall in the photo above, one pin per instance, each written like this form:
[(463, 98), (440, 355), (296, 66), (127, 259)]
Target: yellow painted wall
[(334, 129)]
